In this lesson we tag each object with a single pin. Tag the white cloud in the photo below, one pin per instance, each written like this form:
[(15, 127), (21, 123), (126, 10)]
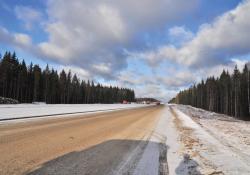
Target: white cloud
[(179, 35), (87, 33), (178, 79), (155, 85), (81, 73), (215, 43), (28, 15), (217, 69), (22, 39), (93, 34), (103, 68)]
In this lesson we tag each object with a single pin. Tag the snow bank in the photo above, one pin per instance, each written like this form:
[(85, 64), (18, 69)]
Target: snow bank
[(213, 150), (4, 100), (232, 132), (167, 129), (37, 110)]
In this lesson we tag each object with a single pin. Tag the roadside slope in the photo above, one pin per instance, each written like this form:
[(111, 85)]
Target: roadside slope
[(211, 154)]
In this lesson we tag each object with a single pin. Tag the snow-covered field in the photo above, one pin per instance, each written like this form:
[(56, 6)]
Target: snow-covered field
[(36, 110)]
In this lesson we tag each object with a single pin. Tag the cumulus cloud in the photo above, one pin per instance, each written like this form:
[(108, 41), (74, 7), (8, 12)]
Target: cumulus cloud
[(215, 43), (134, 78), (156, 85), (93, 34), (217, 69), (20, 40), (171, 78), (178, 79)]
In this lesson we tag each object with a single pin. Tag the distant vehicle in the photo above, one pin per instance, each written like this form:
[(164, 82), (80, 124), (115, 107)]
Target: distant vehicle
[(125, 102), (39, 102)]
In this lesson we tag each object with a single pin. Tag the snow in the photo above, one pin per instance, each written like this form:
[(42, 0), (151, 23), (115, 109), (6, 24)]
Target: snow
[(163, 148), (168, 129), (149, 163), (232, 132), (216, 142), (36, 110), (187, 121)]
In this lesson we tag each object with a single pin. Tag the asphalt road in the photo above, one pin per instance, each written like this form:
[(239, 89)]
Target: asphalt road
[(101, 143)]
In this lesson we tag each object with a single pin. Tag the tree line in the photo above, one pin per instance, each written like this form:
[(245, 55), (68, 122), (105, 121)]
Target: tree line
[(32, 84), (227, 94)]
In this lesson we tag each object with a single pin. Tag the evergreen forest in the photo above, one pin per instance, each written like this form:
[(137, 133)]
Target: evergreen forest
[(30, 83), (228, 94)]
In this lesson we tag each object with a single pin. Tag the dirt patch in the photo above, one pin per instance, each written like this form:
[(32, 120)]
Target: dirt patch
[(191, 147), (186, 137)]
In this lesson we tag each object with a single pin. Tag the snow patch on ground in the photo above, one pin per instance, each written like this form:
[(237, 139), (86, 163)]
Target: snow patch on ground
[(216, 144), (231, 132), (167, 127), (186, 120), (165, 156), (149, 162)]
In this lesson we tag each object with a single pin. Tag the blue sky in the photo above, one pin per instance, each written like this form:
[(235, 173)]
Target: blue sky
[(156, 47)]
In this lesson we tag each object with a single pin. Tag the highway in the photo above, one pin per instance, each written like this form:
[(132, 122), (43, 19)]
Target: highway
[(99, 143)]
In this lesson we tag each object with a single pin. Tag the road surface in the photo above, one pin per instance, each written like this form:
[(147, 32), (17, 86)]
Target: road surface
[(101, 143), (144, 141)]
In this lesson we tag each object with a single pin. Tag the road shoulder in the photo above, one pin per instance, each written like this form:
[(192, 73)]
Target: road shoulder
[(211, 156)]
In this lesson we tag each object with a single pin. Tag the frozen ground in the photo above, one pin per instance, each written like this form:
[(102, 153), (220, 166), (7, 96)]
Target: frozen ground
[(232, 132), (169, 157), (36, 110), (218, 143)]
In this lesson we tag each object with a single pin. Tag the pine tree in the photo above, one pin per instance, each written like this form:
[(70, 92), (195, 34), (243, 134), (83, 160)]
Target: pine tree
[(63, 86)]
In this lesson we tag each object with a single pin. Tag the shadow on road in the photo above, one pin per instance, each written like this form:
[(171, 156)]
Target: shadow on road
[(187, 166), (110, 157)]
